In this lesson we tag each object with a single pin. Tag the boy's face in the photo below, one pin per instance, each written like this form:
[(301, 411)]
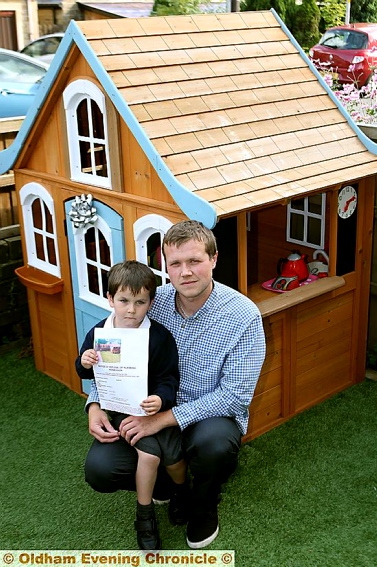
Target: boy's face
[(129, 309)]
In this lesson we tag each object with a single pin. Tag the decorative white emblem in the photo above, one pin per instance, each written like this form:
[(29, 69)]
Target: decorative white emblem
[(82, 212)]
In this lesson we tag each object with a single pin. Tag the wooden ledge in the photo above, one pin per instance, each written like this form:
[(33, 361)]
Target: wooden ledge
[(39, 281), (10, 125), (6, 180), (279, 301)]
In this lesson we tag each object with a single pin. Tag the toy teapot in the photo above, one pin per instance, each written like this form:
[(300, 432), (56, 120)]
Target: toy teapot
[(294, 266)]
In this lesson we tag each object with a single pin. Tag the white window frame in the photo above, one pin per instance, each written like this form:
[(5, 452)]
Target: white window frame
[(82, 261), (307, 214), (28, 194), (73, 94), (143, 229)]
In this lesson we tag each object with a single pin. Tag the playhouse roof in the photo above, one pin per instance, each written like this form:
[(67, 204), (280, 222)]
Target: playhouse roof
[(227, 106)]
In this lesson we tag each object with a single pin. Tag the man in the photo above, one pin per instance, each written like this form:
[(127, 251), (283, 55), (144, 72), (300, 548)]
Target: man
[(221, 347)]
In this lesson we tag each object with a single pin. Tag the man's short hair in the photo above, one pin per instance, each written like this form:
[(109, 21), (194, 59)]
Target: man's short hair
[(133, 275), (182, 232)]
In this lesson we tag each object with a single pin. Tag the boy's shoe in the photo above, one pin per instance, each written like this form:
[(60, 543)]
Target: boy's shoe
[(178, 510), (202, 528), (147, 534)]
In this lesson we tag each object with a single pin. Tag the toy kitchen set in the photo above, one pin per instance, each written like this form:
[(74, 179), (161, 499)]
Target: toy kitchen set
[(294, 271)]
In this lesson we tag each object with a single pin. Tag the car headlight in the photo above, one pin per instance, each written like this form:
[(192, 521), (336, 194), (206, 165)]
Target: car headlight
[(358, 59)]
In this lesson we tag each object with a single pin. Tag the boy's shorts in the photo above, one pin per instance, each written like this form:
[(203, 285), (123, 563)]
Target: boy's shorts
[(165, 444)]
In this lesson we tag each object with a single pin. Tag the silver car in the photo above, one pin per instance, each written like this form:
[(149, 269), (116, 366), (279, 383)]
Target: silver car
[(44, 48)]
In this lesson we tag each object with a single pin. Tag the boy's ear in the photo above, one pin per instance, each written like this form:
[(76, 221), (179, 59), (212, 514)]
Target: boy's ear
[(151, 303), (110, 298)]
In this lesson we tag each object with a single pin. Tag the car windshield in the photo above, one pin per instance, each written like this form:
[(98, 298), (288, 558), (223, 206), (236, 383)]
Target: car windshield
[(344, 39), (45, 46), (18, 71)]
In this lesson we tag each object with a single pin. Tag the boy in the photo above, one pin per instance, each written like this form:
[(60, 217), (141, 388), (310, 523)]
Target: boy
[(131, 290)]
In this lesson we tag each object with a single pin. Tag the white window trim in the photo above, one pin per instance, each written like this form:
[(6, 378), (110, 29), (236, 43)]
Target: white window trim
[(73, 94), (306, 214), (82, 262), (143, 229), (28, 194)]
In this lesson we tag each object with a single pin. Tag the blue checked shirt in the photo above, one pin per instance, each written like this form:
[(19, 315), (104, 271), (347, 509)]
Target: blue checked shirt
[(221, 351)]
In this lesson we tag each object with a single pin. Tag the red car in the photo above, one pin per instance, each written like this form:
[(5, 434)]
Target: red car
[(349, 52)]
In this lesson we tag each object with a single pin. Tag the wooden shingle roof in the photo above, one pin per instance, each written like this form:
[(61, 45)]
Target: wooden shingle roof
[(227, 107), (232, 107)]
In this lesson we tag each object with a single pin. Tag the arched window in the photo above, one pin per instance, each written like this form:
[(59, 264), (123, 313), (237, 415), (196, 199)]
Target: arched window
[(149, 232), (85, 109), (94, 259), (40, 229)]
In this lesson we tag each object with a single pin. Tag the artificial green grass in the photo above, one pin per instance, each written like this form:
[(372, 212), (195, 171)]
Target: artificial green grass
[(304, 494)]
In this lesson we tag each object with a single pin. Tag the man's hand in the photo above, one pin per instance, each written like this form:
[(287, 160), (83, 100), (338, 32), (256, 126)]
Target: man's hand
[(100, 426), (134, 427)]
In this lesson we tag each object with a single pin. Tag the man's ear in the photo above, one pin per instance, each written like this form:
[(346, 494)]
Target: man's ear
[(214, 260)]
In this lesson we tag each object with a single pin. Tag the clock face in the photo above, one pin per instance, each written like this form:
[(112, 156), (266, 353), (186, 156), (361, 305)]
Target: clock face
[(347, 201)]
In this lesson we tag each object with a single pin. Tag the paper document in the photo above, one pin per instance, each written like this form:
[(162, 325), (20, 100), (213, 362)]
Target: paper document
[(122, 371)]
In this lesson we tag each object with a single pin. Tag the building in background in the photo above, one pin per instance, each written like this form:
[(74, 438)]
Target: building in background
[(22, 21), (18, 23)]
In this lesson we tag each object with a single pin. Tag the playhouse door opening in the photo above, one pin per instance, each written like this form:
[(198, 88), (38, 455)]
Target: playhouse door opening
[(93, 249)]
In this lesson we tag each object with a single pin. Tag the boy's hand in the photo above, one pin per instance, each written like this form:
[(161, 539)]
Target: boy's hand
[(151, 404), (89, 358)]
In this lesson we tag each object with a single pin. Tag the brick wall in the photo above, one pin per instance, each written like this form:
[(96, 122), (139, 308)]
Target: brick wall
[(14, 313)]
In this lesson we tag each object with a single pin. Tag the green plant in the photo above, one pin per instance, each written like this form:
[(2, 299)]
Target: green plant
[(176, 7), (364, 11), (305, 24), (332, 14)]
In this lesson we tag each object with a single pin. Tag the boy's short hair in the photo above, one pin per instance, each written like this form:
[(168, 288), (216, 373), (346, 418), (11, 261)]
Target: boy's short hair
[(133, 275), (182, 232)]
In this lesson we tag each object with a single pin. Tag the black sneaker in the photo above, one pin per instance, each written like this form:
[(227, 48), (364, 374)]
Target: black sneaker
[(202, 529), (178, 510), (147, 534)]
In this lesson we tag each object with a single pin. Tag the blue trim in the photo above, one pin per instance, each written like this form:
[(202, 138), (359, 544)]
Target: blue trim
[(192, 205), (368, 143)]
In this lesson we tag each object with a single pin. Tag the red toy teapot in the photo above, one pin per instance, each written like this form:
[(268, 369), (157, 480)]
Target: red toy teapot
[(294, 266)]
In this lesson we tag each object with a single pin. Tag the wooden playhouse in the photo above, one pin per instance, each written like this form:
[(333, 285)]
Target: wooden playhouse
[(140, 123)]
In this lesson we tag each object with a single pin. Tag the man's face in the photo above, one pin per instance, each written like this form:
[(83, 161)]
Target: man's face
[(190, 269)]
